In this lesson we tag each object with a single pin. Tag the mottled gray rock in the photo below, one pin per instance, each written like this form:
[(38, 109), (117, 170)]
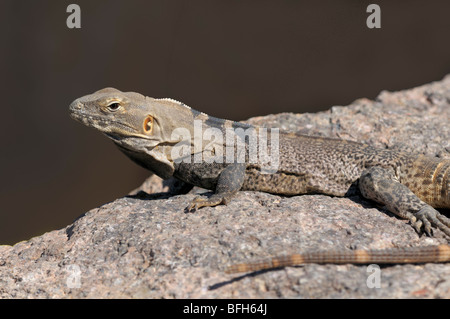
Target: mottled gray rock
[(146, 245)]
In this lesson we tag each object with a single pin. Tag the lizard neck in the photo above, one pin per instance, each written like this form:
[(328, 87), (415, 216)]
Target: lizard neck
[(215, 122)]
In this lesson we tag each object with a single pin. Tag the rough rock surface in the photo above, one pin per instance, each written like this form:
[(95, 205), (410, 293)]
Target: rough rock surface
[(146, 245)]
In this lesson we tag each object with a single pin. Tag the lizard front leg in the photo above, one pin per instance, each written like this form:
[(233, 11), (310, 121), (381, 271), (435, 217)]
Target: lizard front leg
[(229, 182), (380, 185)]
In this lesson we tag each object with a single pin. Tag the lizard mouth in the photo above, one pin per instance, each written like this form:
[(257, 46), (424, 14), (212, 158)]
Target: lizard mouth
[(101, 123)]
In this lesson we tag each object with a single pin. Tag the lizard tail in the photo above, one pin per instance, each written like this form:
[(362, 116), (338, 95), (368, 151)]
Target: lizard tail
[(408, 255)]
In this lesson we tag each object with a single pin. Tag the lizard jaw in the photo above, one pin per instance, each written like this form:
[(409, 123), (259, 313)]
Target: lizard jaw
[(78, 113)]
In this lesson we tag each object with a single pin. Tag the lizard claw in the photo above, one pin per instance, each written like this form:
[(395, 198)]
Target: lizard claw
[(192, 207), (430, 216), (416, 224), (199, 202)]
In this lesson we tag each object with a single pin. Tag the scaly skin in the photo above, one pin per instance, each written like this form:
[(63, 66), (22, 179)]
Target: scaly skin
[(409, 255), (409, 185)]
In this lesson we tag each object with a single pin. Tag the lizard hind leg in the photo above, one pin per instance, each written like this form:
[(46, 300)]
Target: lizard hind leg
[(380, 184)]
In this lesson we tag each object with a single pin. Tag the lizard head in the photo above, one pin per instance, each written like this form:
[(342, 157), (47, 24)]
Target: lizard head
[(122, 115), (140, 126)]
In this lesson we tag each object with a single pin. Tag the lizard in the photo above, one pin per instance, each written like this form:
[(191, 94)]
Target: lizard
[(161, 134)]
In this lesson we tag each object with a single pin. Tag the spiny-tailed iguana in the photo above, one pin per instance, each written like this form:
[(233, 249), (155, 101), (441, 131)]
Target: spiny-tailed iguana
[(171, 139)]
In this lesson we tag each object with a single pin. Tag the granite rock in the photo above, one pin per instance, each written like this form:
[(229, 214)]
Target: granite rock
[(146, 246)]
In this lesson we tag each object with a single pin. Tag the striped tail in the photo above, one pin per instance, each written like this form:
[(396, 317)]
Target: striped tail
[(409, 255)]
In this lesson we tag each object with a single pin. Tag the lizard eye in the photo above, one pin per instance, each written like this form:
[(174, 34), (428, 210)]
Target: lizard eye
[(114, 106), (148, 124)]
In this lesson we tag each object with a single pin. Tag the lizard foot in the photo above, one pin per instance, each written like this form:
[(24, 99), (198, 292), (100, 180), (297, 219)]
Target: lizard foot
[(427, 216), (214, 200)]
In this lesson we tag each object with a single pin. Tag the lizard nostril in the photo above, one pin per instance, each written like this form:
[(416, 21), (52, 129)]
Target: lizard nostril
[(75, 106)]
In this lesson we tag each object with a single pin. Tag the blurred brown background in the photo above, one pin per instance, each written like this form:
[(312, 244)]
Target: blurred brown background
[(233, 59)]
